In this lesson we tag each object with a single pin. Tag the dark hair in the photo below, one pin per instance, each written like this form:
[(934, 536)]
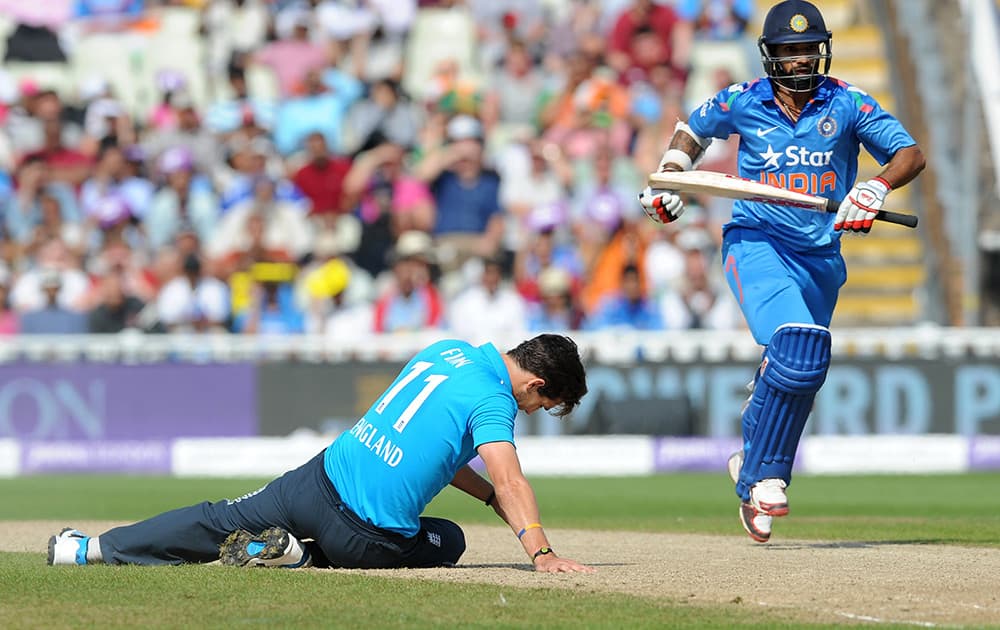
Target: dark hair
[(556, 360)]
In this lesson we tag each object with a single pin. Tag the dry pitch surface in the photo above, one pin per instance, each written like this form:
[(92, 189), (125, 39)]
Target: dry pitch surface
[(923, 585)]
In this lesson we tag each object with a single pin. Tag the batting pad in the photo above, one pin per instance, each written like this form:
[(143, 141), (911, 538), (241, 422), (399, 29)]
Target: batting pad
[(793, 370)]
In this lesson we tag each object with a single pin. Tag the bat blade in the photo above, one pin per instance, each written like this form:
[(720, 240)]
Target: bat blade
[(732, 187)]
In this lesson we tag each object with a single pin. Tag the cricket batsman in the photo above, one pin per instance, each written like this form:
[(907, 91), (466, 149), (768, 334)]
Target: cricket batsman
[(799, 129)]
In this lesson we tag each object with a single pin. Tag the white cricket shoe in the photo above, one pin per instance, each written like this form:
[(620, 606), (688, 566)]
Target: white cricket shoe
[(767, 499), (68, 547), (756, 523), (768, 496)]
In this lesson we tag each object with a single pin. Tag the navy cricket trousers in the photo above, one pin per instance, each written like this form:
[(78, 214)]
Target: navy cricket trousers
[(303, 502)]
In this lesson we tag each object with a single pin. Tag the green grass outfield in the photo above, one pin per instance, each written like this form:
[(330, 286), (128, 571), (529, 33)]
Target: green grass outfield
[(951, 509)]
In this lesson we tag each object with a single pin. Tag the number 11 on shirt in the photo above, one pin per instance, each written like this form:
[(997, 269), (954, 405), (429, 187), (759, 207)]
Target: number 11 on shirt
[(431, 382)]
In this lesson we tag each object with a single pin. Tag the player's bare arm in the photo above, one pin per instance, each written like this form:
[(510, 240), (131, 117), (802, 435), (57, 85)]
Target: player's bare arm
[(685, 149), (516, 499), (682, 152), (472, 483), (904, 166)]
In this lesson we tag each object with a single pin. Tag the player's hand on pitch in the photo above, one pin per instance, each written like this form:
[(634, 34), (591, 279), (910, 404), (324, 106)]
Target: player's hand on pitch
[(662, 206), (551, 563), (858, 209)]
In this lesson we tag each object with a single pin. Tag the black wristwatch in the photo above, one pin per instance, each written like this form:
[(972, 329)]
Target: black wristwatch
[(541, 552)]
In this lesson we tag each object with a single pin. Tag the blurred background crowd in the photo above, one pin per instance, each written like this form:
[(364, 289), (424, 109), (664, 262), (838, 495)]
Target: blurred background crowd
[(351, 167)]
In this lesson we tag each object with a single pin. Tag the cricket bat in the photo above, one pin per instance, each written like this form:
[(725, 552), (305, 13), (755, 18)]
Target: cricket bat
[(732, 187)]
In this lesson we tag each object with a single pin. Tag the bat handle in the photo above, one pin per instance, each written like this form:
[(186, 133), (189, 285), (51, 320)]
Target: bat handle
[(907, 220)]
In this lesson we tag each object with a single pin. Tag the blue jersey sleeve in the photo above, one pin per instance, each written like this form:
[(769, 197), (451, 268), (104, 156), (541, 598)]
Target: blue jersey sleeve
[(878, 130), (716, 117), (493, 421)]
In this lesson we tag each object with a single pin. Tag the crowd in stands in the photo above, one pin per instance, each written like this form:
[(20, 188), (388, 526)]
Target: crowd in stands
[(356, 167)]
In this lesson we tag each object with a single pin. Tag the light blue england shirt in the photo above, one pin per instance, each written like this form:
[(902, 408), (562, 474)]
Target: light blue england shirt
[(817, 155), (448, 400)]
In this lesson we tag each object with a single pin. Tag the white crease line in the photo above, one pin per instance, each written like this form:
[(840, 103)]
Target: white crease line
[(922, 624)]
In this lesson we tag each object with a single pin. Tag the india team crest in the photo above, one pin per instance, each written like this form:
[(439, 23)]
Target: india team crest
[(798, 23), (826, 127)]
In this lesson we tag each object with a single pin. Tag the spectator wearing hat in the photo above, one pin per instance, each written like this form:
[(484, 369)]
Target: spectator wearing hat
[(193, 301), (557, 310), (337, 242), (115, 178), (51, 318), (470, 219), (411, 301), (630, 308), (185, 201), (321, 178), (488, 309), (114, 223), (332, 312), (271, 309), (9, 321)]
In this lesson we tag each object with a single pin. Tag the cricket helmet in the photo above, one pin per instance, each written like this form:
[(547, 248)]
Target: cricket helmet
[(795, 22)]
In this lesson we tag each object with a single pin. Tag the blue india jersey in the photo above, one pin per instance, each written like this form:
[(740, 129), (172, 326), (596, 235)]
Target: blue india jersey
[(450, 398), (817, 155)]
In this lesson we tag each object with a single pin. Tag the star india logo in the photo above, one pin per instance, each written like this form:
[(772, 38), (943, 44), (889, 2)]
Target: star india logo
[(798, 23), (770, 157), (826, 127)]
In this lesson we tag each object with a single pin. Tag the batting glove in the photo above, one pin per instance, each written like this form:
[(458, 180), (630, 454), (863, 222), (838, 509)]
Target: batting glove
[(662, 206), (858, 209)]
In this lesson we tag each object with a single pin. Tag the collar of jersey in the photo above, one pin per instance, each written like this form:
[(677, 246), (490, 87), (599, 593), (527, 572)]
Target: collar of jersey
[(496, 361), (765, 91)]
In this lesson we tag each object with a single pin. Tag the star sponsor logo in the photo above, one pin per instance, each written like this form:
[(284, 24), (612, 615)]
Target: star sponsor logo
[(770, 157), (795, 156), (763, 132)]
